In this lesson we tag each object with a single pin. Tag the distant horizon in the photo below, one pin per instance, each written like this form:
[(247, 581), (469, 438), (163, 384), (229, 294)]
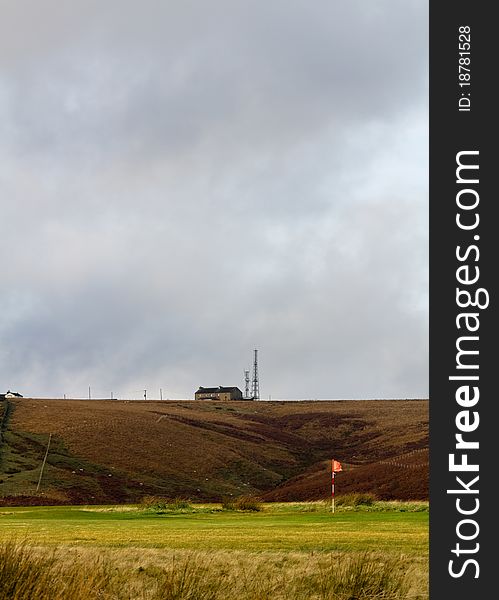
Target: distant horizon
[(121, 399)]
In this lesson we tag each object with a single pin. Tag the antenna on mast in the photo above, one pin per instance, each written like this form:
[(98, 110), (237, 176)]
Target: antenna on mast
[(246, 383), (255, 383)]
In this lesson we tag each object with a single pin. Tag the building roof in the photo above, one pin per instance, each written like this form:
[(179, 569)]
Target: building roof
[(10, 394), (217, 390)]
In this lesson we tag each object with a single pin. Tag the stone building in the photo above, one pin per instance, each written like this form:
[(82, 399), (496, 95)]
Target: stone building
[(218, 393)]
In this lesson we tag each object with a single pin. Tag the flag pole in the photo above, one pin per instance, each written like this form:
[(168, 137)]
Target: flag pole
[(332, 486)]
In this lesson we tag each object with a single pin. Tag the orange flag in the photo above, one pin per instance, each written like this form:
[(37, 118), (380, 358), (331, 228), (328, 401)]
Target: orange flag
[(336, 466)]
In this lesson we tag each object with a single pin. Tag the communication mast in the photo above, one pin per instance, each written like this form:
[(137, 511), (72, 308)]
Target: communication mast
[(247, 383), (255, 383)]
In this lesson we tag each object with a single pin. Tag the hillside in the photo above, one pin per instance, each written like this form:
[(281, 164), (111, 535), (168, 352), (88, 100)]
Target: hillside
[(118, 451)]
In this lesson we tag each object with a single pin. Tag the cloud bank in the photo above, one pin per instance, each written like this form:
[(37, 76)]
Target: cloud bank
[(183, 182)]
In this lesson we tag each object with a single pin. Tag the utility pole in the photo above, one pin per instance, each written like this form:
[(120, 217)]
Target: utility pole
[(161, 393), (89, 394), (43, 463)]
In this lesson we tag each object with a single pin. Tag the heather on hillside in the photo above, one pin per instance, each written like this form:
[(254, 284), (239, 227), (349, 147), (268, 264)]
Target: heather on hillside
[(120, 451)]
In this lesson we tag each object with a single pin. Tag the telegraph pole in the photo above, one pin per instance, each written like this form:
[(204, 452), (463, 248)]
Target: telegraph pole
[(43, 463)]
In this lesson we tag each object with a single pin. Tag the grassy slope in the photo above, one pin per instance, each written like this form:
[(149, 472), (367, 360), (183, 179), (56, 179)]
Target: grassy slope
[(115, 451)]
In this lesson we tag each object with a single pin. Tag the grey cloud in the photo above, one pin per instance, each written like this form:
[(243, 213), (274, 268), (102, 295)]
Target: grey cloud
[(191, 180)]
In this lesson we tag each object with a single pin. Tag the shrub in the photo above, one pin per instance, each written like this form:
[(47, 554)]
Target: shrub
[(228, 503), (247, 503), (158, 504), (179, 504), (356, 499)]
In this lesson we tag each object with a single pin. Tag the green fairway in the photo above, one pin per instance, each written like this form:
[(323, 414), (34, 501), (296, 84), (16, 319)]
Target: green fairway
[(271, 530)]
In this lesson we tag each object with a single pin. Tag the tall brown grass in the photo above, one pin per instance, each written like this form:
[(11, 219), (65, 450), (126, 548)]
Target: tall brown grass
[(361, 577), (28, 573), (187, 579)]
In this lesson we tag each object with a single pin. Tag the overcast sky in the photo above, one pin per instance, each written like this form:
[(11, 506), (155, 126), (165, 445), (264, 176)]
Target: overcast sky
[(183, 181)]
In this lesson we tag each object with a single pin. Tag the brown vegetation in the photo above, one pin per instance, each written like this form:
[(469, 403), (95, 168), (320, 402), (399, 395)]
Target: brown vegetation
[(27, 573), (120, 451), (402, 477)]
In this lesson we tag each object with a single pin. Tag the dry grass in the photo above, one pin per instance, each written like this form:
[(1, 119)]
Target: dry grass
[(27, 573)]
